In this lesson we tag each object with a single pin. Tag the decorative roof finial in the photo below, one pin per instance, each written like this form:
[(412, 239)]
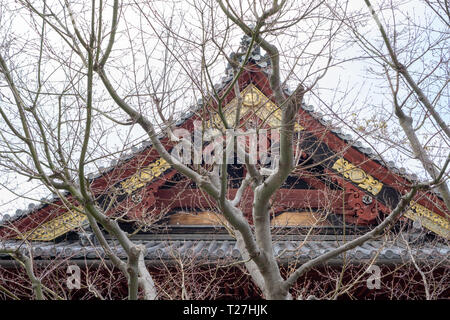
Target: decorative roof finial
[(245, 43), (254, 57)]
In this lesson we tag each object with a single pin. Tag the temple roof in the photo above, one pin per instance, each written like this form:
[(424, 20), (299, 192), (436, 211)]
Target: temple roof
[(261, 67)]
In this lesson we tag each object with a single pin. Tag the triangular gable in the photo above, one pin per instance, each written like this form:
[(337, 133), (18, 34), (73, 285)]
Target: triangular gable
[(348, 164)]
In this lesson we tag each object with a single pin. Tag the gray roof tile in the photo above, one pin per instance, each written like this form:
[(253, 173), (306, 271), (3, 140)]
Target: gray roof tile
[(214, 250)]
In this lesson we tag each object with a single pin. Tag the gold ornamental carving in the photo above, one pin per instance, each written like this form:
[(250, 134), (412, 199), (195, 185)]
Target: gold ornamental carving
[(50, 230), (358, 176), (144, 175), (430, 220)]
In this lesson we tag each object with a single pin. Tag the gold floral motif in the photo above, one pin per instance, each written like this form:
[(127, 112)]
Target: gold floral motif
[(430, 220), (254, 102), (145, 175), (251, 98), (357, 175), (56, 227)]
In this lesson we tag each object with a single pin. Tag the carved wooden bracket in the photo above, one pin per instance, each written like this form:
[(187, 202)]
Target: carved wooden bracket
[(363, 206)]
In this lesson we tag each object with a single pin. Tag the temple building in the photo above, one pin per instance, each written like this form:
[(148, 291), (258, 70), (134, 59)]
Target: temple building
[(339, 190)]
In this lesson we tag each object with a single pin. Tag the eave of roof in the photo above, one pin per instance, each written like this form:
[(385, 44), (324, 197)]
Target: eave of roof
[(226, 251)]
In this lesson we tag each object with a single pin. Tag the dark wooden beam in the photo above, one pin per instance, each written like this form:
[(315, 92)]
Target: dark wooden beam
[(284, 199)]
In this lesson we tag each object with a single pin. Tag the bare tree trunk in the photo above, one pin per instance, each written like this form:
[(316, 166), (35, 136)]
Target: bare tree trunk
[(27, 263)]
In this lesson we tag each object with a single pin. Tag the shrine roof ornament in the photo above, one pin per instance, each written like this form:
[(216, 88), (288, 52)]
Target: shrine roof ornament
[(429, 220), (358, 176), (70, 220)]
